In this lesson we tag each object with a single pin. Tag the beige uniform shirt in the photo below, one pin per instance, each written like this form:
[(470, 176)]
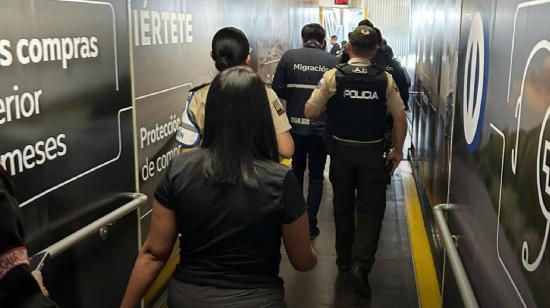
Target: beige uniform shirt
[(327, 88), (280, 120)]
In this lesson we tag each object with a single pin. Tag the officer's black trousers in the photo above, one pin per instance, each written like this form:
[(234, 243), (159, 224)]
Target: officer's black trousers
[(314, 148), (362, 169)]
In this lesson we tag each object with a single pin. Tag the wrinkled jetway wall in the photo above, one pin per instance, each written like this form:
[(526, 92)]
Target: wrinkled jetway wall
[(393, 19), (499, 168)]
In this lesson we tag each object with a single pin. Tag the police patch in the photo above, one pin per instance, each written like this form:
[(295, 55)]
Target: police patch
[(360, 70), (279, 107)]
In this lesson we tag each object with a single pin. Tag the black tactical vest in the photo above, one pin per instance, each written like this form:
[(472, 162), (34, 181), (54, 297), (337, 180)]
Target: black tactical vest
[(358, 109)]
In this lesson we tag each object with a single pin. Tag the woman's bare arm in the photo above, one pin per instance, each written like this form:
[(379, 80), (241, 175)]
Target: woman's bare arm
[(155, 252), (298, 246)]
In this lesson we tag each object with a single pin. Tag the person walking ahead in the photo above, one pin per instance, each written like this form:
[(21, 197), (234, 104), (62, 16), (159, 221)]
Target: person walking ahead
[(335, 49), (357, 96), (296, 76), (230, 48)]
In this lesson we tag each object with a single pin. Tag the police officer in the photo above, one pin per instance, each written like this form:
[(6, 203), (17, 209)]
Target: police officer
[(296, 76), (230, 47), (357, 96)]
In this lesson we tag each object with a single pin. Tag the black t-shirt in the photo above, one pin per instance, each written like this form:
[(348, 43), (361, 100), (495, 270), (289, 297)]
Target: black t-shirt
[(230, 234)]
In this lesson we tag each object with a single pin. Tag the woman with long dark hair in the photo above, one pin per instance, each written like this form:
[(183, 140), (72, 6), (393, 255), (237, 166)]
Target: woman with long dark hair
[(230, 48), (232, 202)]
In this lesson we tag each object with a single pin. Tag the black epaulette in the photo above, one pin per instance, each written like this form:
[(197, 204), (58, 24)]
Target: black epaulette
[(340, 67), (195, 89)]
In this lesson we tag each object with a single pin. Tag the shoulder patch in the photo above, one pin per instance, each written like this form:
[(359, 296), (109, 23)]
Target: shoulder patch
[(188, 134), (279, 107), (195, 89)]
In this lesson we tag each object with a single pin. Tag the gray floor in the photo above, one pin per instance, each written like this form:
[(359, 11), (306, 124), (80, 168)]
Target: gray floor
[(392, 278)]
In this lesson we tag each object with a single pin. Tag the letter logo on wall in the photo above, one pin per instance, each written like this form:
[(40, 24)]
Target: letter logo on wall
[(475, 81), (530, 50)]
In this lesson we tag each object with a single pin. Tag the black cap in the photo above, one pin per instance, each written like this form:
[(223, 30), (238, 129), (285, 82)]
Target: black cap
[(363, 37)]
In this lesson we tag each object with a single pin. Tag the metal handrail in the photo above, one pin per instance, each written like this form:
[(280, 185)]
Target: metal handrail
[(463, 282), (82, 234)]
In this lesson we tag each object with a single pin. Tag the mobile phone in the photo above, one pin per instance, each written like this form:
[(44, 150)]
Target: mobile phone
[(38, 261)]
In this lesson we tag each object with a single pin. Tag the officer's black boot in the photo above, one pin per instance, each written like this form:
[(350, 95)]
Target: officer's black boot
[(343, 265), (313, 230), (360, 281)]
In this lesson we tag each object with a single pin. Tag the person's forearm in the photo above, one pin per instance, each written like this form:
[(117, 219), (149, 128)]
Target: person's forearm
[(399, 133), (285, 145), (311, 112), (144, 273)]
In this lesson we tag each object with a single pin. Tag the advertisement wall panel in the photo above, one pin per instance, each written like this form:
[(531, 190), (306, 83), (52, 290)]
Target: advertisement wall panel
[(66, 130), (499, 170)]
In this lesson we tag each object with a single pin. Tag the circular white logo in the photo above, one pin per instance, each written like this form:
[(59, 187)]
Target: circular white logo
[(475, 80)]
